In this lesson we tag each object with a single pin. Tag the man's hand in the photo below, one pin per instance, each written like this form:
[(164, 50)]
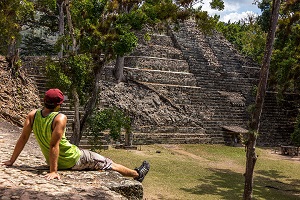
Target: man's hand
[(7, 163), (52, 175)]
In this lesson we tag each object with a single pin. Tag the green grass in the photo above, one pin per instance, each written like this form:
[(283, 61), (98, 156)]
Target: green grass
[(210, 172)]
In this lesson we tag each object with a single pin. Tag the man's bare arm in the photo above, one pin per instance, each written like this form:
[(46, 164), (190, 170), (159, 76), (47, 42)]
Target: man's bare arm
[(27, 128), (59, 126)]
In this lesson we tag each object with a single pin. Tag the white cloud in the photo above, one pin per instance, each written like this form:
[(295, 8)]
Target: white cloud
[(234, 17), (231, 7), (233, 11), (228, 7)]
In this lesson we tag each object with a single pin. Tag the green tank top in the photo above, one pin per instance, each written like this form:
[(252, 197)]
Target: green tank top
[(42, 129)]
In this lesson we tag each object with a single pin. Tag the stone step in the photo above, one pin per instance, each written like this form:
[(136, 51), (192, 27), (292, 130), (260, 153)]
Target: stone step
[(181, 87), (155, 63), (162, 77), (170, 129), (171, 138), (155, 39), (157, 51)]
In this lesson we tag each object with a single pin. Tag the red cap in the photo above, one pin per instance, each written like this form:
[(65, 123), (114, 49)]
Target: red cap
[(54, 97)]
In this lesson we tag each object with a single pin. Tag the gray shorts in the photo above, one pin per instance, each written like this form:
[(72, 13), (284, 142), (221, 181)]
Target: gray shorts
[(92, 161)]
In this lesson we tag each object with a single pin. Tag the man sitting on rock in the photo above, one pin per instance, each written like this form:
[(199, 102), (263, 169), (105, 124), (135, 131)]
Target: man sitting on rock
[(49, 127)]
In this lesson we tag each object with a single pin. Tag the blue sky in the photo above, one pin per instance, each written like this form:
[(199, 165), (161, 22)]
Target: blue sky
[(234, 10)]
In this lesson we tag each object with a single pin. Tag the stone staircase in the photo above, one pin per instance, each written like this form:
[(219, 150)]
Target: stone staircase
[(278, 119), (219, 69)]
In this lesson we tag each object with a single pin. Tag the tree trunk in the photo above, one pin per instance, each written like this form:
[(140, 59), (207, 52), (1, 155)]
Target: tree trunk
[(76, 135), (119, 69), (93, 100), (260, 96), (71, 29), (61, 27), (12, 57)]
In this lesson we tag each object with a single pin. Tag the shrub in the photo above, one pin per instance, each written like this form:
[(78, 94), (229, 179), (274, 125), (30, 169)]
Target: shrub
[(295, 137), (112, 119)]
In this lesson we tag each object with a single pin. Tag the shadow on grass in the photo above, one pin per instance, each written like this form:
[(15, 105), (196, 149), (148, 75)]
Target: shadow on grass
[(272, 180), (229, 185), (225, 183)]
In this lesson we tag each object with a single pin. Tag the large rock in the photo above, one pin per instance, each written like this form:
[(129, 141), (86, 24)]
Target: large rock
[(25, 180)]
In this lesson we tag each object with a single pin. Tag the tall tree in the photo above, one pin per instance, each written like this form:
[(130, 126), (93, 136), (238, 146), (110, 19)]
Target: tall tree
[(126, 8), (38, 36), (13, 15), (251, 156), (285, 64), (266, 10), (75, 138), (61, 25)]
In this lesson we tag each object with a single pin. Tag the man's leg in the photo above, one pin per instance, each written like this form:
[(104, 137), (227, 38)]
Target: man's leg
[(138, 173), (94, 161), (124, 170)]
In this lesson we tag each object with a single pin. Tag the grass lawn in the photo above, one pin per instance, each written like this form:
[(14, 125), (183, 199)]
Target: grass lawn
[(211, 172)]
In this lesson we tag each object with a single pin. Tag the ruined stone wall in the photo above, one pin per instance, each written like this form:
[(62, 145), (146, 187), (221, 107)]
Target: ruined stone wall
[(217, 66), (277, 120)]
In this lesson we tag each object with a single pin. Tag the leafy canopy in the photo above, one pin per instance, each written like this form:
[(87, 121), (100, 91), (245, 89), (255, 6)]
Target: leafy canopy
[(73, 72), (285, 65), (13, 15)]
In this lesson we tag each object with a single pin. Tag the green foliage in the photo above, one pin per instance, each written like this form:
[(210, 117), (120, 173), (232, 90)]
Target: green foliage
[(264, 19), (206, 23), (73, 72), (251, 108), (285, 64), (147, 37), (111, 119), (126, 43), (56, 76), (50, 4), (136, 19), (217, 5), (14, 14), (110, 36), (87, 13), (158, 11), (248, 38), (295, 137)]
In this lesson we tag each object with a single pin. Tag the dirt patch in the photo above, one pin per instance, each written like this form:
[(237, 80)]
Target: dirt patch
[(177, 149), (274, 154), (226, 163)]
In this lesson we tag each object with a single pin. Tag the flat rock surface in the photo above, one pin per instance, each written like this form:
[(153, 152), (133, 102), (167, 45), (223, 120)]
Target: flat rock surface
[(25, 180)]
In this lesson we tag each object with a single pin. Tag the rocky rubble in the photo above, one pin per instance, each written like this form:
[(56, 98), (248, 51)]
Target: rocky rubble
[(145, 107), (18, 95)]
